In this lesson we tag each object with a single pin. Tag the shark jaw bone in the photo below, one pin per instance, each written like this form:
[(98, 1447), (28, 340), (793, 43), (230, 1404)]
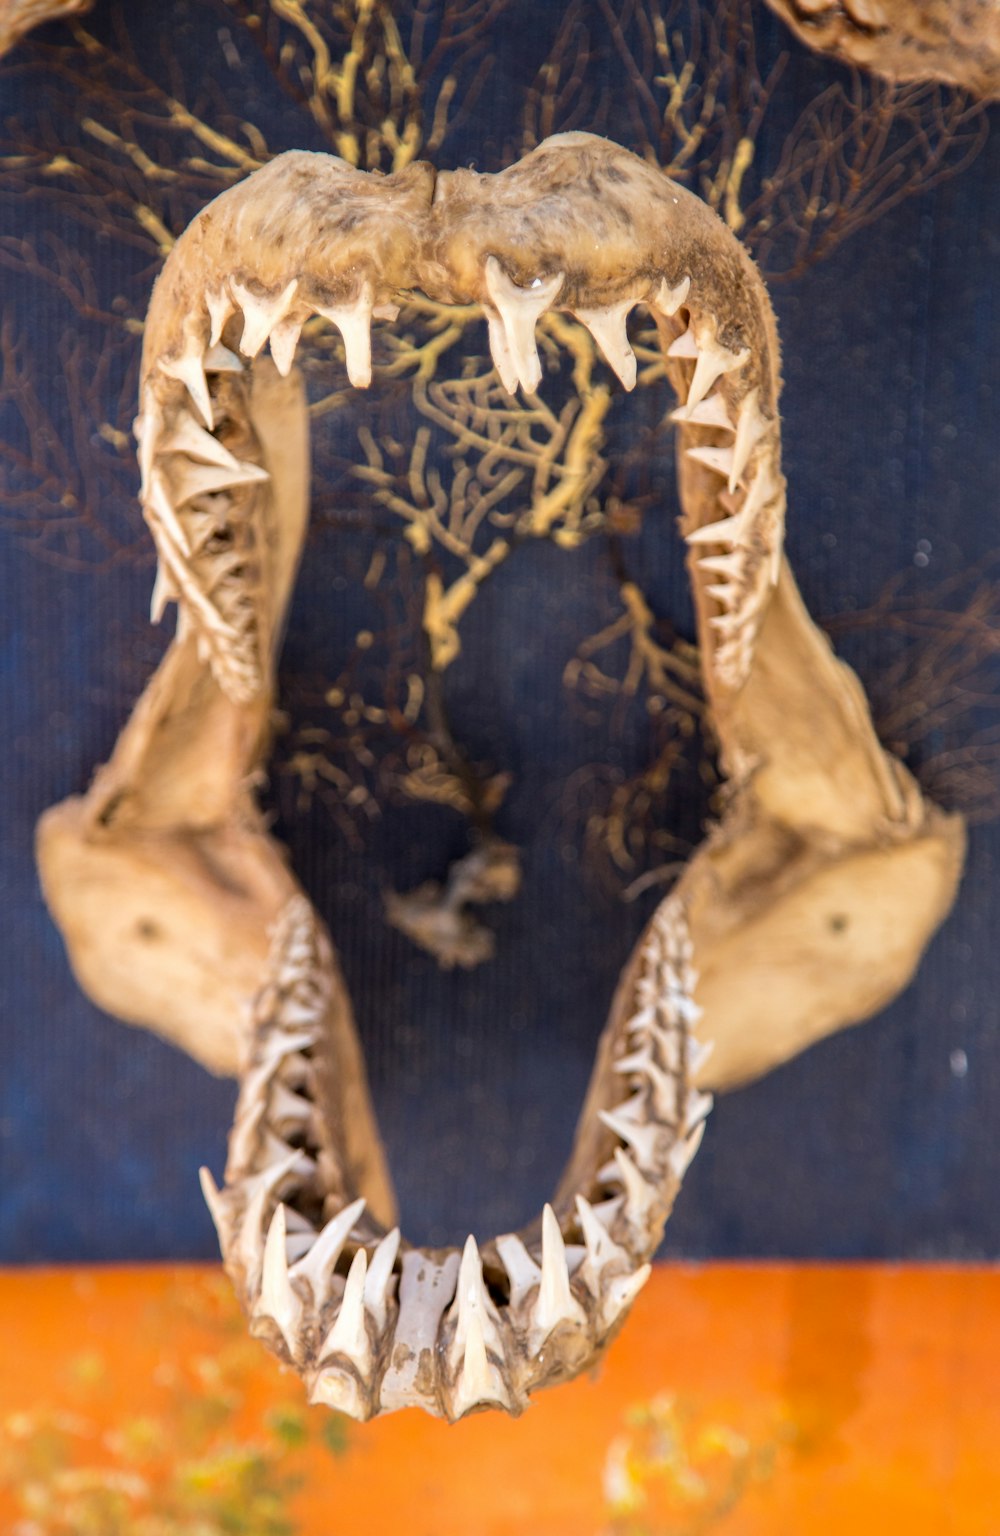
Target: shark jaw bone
[(373, 1325), (579, 226)]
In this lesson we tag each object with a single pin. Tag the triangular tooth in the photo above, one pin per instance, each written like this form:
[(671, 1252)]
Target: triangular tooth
[(724, 592), (284, 340), (385, 312), (682, 1153), (472, 1300), (219, 359), (638, 1061), (188, 370), (216, 1202), (698, 1107), (601, 1246), (608, 328), (555, 1303), (520, 309), (700, 1052), (620, 1293), (318, 1264), (669, 300), (718, 459), (261, 314), (500, 352), (641, 1135), (663, 1084), (380, 1278), (730, 566), (278, 1298), (147, 427), (478, 1380), (728, 530), (158, 499), (296, 1244), (164, 592), (711, 412), (354, 322), (188, 437), (684, 345), (522, 1271), (640, 1194), (726, 623), (645, 1017), (190, 479), (349, 1334), (286, 1109), (750, 428), (220, 306), (713, 360), (340, 1390)]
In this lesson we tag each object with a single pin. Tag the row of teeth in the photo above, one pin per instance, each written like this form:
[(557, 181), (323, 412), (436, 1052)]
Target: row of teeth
[(388, 1329), (187, 472)]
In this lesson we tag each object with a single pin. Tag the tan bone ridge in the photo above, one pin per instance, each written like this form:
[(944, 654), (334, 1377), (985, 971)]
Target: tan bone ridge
[(806, 909)]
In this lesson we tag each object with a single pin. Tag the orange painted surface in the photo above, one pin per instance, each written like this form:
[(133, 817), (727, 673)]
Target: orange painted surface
[(745, 1400)]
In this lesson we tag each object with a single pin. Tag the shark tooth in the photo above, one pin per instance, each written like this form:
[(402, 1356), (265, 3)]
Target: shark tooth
[(472, 1300), (684, 345), (730, 566), (354, 322), (164, 592), (619, 1294), (669, 300), (718, 459), (522, 1271), (318, 1265), (698, 1108), (640, 1194), (682, 1153), (287, 1111), (750, 428), (278, 1299), (555, 1302), (349, 1334), (220, 359), (724, 592), (602, 1249), (188, 370), (158, 499), (608, 328), (478, 1381), (630, 1122), (191, 480), (216, 1202), (379, 1278), (710, 412), (662, 1084), (261, 313), (520, 309), (220, 306), (147, 427), (500, 352), (284, 340), (713, 360), (699, 1053), (187, 437)]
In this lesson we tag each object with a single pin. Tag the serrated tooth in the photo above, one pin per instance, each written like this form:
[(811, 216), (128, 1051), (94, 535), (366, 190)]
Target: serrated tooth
[(711, 412), (522, 1271), (278, 1299), (620, 1293), (730, 566), (354, 322), (478, 1380), (629, 1122), (713, 360), (640, 1194), (682, 1153), (608, 328), (190, 479), (602, 1249), (340, 1390), (697, 1108), (500, 352), (380, 1278), (220, 359), (317, 1266), (220, 306), (164, 592), (188, 437), (158, 498), (520, 309), (349, 1334), (284, 340), (216, 1202), (555, 1302), (261, 313), (472, 1300), (684, 345), (188, 370), (669, 300), (718, 459), (750, 428)]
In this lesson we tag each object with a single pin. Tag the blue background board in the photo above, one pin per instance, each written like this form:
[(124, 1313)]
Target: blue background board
[(878, 1143)]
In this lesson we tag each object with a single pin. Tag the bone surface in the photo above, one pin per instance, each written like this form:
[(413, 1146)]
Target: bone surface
[(820, 822)]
